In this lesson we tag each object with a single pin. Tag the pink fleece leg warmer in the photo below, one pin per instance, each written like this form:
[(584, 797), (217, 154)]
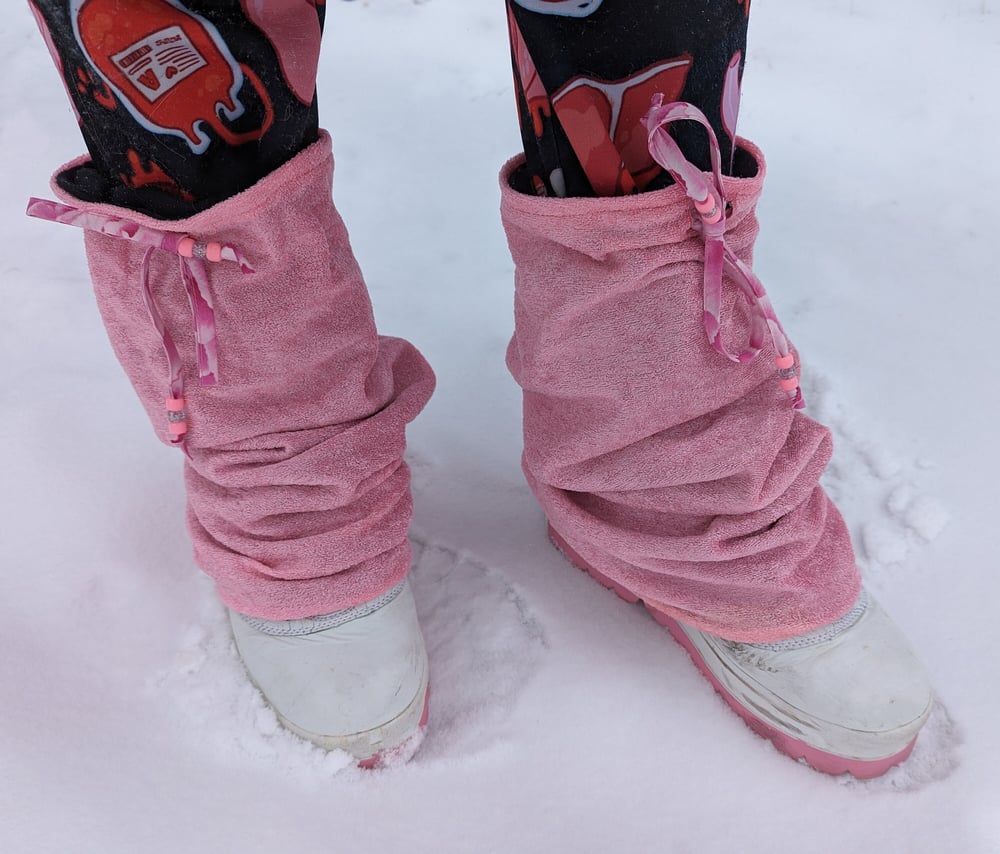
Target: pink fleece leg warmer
[(679, 475), (298, 497)]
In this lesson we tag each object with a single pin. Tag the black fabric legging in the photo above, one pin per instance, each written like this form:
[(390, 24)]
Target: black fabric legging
[(584, 73), (183, 103)]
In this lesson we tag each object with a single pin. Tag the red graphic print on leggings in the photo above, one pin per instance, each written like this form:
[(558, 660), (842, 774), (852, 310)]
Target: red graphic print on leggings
[(601, 120), (169, 67), (585, 72)]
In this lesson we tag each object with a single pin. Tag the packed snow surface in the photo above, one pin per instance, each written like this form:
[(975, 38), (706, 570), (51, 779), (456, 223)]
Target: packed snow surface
[(562, 719)]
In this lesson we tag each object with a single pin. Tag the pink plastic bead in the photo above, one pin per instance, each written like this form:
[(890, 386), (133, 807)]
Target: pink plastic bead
[(706, 205), (785, 362), (790, 384), (175, 404), (177, 428), (213, 251), (709, 209), (186, 247)]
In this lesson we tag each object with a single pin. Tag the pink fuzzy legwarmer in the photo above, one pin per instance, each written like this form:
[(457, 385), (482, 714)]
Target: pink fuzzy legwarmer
[(684, 477), (298, 496)]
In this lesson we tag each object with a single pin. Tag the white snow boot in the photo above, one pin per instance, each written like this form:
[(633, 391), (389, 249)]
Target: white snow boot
[(847, 698), (354, 680)]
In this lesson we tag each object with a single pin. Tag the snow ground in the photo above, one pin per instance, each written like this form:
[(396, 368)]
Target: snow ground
[(562, 719)]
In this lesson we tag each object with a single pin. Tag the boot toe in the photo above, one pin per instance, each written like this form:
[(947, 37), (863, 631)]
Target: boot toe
[(860, 692)]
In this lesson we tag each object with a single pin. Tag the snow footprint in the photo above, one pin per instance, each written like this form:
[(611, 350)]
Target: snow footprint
[(483, 642), (934, 757), (876, 489)]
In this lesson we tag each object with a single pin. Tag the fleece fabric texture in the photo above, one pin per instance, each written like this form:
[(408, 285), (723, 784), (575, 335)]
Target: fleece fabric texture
[(298, 496), (685, 477)]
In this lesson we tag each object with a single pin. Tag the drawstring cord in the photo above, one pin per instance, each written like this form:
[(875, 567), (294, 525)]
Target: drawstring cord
[(706, 192), (192, 257)]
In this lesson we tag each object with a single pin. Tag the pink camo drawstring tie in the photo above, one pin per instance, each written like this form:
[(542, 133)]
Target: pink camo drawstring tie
[(709, 199), (192, 255)]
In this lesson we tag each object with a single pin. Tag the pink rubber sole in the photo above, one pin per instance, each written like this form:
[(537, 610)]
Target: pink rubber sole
[(403, 752), (828, 763)]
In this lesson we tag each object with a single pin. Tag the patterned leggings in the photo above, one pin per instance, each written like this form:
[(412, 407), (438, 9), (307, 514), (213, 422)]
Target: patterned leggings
[(183, 103)]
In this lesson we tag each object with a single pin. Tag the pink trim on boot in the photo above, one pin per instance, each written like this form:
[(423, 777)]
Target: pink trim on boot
[(298, 497), (679, 475)]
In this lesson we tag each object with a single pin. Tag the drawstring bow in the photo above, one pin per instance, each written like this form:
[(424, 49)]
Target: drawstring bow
[(707, 193), (193, 257)]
